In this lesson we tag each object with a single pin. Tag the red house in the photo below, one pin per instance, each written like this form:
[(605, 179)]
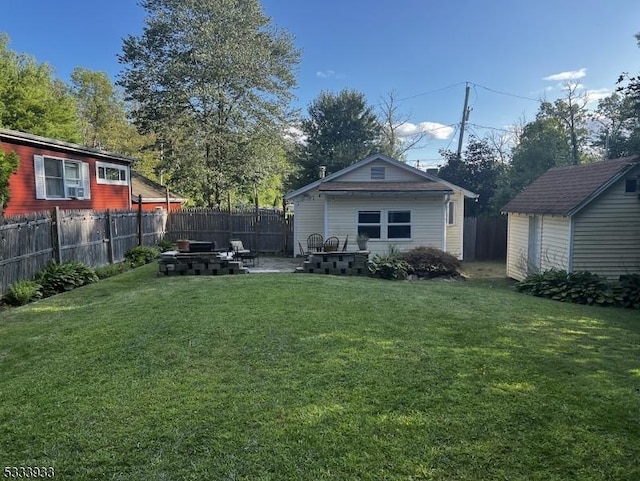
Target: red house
[(55, 173)]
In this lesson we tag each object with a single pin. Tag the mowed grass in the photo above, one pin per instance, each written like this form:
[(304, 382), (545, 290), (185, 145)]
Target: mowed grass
[(311, 377)]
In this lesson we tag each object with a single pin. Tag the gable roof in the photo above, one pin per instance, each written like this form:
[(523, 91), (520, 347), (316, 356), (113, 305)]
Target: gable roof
[(150, 191), (15, 136), (566, 190), (327, 183)]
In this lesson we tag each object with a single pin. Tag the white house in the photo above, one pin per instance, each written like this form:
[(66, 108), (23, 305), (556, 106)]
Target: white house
[(390, 201), (577, 218)]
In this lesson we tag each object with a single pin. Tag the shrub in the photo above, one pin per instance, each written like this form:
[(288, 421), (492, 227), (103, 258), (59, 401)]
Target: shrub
[(388, 266), (22, 292), (628, 291), (431, 262), (579, 287), (111, 270), (140, 255), (166, 245), (56, 278)]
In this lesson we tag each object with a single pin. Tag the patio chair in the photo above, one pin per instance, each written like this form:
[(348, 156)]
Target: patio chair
[(331, 244), (239, 252), (315, 242)]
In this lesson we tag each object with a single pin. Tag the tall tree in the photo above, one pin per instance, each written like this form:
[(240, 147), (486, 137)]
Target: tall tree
[(631, 92), (8, 166), (543, 144), (203, 76), (479, 169), (341, 129), (571, 113), (31, 100), (395, 141), (617, 127)]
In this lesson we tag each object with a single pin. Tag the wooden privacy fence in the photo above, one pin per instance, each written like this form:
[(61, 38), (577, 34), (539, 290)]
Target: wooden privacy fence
[(260, 230), (485, 238), (96, 238)]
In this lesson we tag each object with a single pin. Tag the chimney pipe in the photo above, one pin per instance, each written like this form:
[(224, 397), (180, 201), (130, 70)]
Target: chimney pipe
[(323, 171)]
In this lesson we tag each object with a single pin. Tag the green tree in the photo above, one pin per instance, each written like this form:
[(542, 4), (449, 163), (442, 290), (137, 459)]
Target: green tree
[(631, 94), (103, 119), (205, 77), (9, 163), (479, 170), (617, 126), (543, 144), (571, 114), (31, 100), (341, 129)]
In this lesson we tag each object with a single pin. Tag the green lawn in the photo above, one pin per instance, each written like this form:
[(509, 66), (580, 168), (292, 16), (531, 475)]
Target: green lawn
[(311, 377)]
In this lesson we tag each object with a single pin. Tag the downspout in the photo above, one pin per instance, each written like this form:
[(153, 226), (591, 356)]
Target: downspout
[(447, 197)]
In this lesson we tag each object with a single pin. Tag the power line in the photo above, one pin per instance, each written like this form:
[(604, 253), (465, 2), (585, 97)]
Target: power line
[(430, 92), (493, 128), (506, 93)]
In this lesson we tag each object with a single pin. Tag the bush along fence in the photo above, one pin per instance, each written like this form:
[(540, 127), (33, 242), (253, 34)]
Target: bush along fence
[(95, 238), (98, 238)]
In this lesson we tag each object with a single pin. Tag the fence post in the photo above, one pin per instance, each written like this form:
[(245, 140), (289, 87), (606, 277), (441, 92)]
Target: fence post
[(140, 236), (56, 234), (109, 238)]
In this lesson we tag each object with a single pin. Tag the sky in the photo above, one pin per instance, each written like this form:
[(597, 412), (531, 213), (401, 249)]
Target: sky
[(511, 53)]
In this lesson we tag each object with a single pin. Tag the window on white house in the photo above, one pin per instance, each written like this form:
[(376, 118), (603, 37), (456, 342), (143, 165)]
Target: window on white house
[(369, 223), (63, 178), (451, 213), (631, 186), (111, 173), (399, 224), (377, 173)]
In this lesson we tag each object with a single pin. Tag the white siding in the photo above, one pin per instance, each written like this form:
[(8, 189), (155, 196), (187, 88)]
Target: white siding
[(308, 218), (392, 174), (427, 220), (454, 232), (607, 233), (517, 246), (554, 252)]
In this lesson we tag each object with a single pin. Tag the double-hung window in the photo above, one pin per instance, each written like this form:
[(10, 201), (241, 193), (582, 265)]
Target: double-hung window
[(391, 224), (58, 178), (399, 224), (369, 223), (111, 173)]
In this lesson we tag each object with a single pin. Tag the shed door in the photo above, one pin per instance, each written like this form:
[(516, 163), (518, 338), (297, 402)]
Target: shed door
[(535, 241)]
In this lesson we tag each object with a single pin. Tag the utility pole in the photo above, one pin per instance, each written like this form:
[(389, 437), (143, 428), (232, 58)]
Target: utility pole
[(465, 117)]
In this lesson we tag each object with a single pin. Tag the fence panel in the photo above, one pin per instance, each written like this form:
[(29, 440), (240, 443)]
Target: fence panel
[(264, 230), (95, 238), (83, 237), (485, 238), (25, 247)]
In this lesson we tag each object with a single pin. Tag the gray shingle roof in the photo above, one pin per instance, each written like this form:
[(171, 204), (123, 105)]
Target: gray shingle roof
[(563, 190)]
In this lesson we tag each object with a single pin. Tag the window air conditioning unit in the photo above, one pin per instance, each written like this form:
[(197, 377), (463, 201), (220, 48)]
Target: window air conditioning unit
[(75, 192)]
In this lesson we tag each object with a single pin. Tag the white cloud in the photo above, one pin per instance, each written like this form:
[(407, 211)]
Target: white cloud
[(564, 76), (330, 74), (597, 94), (325, 73), (295, 134), (432, 129)]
